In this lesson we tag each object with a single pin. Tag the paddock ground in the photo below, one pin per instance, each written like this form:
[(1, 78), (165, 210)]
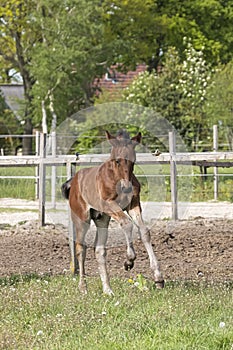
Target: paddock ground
[(28, 210), (198, 249)]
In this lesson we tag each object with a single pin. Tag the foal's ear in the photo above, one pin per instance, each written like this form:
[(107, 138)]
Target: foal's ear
[(112, 139), (137, 139)]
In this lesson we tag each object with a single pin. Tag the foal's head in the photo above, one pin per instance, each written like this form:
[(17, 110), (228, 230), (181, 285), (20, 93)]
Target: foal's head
[(123, 157)]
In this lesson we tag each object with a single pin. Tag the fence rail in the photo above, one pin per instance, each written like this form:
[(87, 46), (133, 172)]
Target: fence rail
[(35, 160), (205, 159)]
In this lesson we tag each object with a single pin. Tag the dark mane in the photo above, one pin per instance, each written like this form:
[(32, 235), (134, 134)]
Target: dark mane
[(122, 134)]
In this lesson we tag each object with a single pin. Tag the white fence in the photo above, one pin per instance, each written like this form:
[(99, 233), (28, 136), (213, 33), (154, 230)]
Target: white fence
[(209, 159)]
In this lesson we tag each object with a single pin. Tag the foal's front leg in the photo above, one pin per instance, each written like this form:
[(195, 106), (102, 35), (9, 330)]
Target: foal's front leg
[(127, 226), (136, 215)]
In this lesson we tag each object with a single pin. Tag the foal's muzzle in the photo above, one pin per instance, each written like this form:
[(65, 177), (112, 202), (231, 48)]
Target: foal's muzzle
[(126, 186)]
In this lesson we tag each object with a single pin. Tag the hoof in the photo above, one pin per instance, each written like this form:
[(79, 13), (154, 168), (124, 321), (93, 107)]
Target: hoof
[(83, 291), (128, 265), (83, 288), (108, 291), (160, 284)]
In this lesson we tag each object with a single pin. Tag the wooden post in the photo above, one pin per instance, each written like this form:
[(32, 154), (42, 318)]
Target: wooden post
[(42, 179), (215, 148), (70, 170), (173, 174), (53, 174), (37, 153)]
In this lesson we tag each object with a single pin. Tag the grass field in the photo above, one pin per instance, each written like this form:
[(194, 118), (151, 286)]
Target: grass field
[(154, 188), (50, 313)]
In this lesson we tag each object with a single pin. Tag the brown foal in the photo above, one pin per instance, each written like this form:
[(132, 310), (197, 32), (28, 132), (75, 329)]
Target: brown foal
[(105, 192)]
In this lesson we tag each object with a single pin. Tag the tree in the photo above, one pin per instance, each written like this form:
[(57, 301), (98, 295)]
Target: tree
[(16, 40), (148, 28), (195, 79), (58, 48), (135, 29), (219, 103), (72, 53), (177, 93), (159, 90)]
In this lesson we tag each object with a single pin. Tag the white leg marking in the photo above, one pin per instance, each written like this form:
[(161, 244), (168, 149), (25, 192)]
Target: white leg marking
[(100, 252)]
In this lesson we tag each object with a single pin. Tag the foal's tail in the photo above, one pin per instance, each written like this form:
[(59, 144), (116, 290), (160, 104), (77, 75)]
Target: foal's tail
[(65, 188)]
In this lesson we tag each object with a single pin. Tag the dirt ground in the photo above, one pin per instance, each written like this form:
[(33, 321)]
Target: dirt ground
[(186, 250)]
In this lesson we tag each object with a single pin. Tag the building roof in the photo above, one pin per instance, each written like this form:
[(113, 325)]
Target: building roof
[(114, 81), (14, 95)]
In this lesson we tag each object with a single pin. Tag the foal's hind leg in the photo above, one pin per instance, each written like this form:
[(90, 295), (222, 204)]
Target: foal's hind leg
[(81, 230), (100, 250)]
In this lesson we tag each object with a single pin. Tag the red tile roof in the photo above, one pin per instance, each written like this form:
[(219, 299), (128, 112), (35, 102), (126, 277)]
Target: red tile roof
[(115, 81)]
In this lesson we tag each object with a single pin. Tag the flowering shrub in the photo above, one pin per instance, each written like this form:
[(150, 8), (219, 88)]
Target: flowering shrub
[(177, 92)]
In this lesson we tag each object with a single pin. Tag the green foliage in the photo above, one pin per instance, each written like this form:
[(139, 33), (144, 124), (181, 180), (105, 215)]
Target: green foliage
[(207, 22), (59, 48), (158, 91), (194, 81), (15, 38), (144, 28), (135, 29), (49, 313), (65, 62), (219, 104), (177, 92)]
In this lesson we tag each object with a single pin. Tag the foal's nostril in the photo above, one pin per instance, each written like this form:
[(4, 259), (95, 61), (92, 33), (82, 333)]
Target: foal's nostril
[(127, 189)]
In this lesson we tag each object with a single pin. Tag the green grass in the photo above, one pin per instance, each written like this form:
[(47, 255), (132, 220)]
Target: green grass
[(190, 188), (50, 313), (16, 210), (25, 188), (17, 188)]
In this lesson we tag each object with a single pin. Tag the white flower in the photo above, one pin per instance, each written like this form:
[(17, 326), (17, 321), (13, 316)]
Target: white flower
[(222, 324), (39, 333)]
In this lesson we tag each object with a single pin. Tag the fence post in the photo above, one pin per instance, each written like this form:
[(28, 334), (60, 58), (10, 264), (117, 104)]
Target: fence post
[(37, 153), (215, 148), (53, 174), (173, 174), (42, 179), (70, 171)]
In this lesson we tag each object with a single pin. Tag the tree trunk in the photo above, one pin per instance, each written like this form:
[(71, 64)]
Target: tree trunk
[(27, 83), (27, 141)]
